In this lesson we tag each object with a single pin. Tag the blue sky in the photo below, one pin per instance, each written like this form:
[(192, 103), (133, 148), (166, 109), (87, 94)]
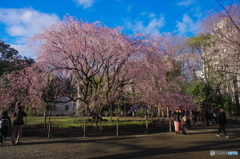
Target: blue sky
[(21, 19)]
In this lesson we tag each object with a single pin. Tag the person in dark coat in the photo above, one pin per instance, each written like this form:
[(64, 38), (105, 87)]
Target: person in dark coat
[(194, 117), (188, 121), (184, 124), (5, 125), (221, 121), (206, 115)]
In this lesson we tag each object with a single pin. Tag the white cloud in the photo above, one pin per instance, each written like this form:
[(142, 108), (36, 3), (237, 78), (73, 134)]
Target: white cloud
[(187, 25), (153, 27), (85, 3), (24, 23), (186, 3), (24, 50)]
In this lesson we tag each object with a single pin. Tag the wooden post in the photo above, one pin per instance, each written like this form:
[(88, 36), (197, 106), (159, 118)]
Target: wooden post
[(25, 123), (49, 123), (117, 127), (160, 124), (146, 126), (84, 129), (100, 125), (49, 129), (45, 119), (159, 115), (169, 121)]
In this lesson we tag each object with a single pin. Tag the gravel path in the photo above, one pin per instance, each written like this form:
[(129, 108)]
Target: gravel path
[(196, 144)]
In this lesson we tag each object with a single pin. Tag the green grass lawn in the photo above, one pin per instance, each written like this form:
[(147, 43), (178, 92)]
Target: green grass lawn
[(74, 122), (71, 122)]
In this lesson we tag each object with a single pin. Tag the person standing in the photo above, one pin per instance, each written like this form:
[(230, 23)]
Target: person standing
[(205, 117), (5, 124), (194, 117), (18, 124), (170, 113), (199, 115), (184, 124), (177, 120), (162, 114), (221, 121), (215, 116), (188, 121)]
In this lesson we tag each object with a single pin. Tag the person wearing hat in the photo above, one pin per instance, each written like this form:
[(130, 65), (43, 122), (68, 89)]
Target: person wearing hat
[(221, 121)]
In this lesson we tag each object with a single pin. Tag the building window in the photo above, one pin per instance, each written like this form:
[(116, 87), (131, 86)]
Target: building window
[(66, 107)]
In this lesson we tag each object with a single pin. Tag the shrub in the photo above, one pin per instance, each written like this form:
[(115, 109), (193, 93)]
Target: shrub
[(141, 112), (106, 113)]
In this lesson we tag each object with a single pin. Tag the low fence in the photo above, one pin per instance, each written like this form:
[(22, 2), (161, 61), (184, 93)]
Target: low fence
[(91, 129), (115, 127)]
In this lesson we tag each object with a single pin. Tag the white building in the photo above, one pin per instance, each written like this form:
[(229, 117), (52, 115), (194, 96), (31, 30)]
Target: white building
[(63, 108)]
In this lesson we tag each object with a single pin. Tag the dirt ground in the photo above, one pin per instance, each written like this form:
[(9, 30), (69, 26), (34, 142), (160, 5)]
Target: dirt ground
[(132, 142)]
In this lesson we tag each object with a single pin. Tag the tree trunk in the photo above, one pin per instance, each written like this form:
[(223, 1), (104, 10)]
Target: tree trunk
[(45, 118), (152, 108), (78, 103), (158, 114), (235, 85), (49, 123)]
